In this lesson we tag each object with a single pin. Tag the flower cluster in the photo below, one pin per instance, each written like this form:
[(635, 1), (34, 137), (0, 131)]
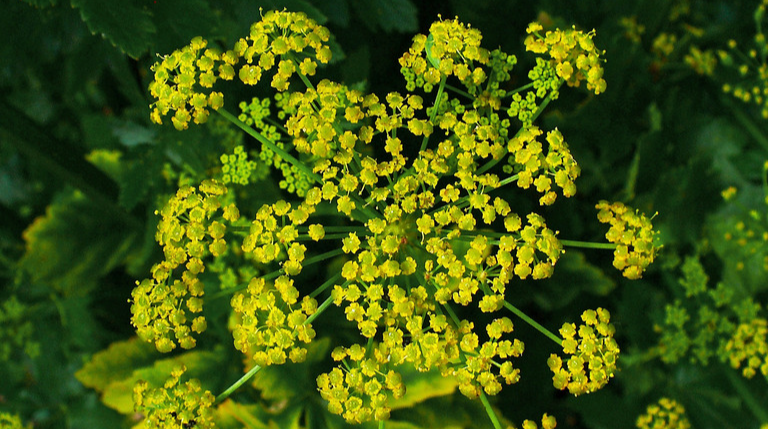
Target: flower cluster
[(256, 114), (236, 168), (633, 234), (272, 321), (593, 354), (284, 41), (632, 29), (10, 421), (666, 414), (175, 405), (533, 167), (662, 47), (702, 62), (16, 330), (359, 394), (191, 228), (413, 221), (451, 49), (547, 422), (750, 67), (746, 239), (749, 346), (573, 53), (177, 77)]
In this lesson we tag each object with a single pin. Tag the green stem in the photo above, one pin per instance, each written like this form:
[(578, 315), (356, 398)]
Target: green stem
[(489, 410), (588, 244), (506, 181), (325, 285), (748, 123), (271, 145), (459, 91), (322, 257), (535, 324), (381, 424), (224, 395), (753, 404), (319, 310), (438, 100)]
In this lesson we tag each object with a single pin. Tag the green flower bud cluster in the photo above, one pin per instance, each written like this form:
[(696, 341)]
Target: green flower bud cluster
[(256, 114), (666, 414), (16, 330), (236, 168), (732, 330), (175, 405)]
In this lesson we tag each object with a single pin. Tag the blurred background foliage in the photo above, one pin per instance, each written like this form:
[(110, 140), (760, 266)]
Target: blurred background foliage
[(82, 171)]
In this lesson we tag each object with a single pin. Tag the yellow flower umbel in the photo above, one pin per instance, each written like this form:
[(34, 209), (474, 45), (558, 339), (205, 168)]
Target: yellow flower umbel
[(422, 228), (749, 346), (175, 405), (573, 54), (547, 422), (272, 322), (283, 42), (633, 234), (10, 421), (190, 229), (593, 354), (666, 414)]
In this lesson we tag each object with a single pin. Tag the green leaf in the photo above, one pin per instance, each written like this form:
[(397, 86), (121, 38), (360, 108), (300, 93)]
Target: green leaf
[(296, 6), (231, 415), (278, 382), (116, 363), (421, 386), (177, 29), (74, 245), (134, 183), (42, 3), (573, 276), (393, 15), (447, 412), (119, 394), (121, 22)]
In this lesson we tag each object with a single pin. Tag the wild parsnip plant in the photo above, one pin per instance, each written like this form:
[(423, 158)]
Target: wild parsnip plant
[(408, 190)]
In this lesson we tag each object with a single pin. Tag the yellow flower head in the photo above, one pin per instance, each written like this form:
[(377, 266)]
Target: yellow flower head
[(164, 307), (666, 414), (633, 234), (573, 54), (175, 404), (593, 354), (749, 346)]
